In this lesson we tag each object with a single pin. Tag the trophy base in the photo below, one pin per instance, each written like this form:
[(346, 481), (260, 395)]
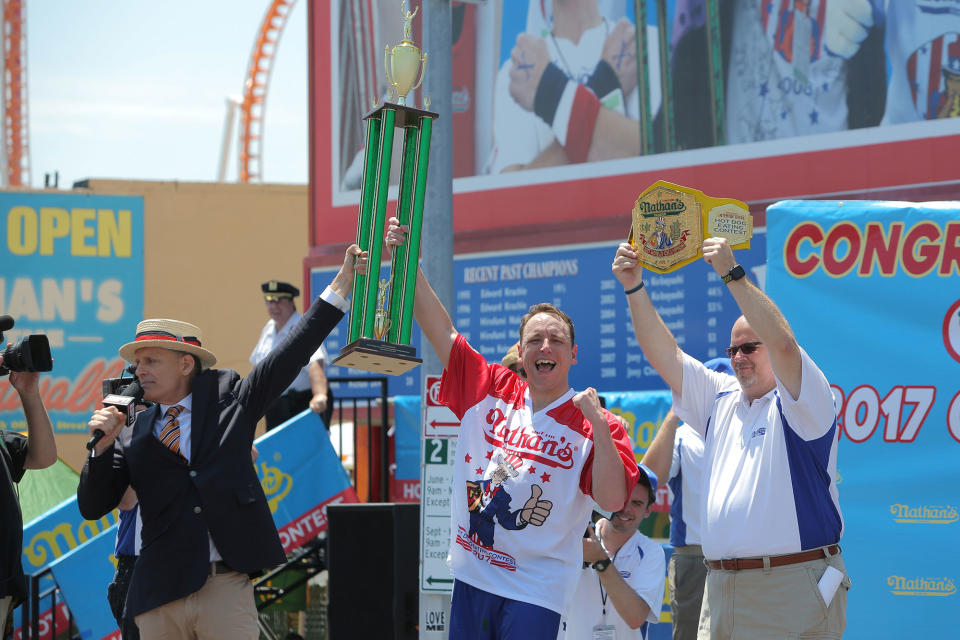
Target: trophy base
[(378, 356)]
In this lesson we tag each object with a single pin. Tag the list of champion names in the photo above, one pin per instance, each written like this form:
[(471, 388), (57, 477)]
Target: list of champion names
[(494, 292)]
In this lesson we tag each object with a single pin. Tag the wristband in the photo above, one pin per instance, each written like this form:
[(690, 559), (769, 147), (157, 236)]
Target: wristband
[(549, 89), (634, 290), (604, 79)]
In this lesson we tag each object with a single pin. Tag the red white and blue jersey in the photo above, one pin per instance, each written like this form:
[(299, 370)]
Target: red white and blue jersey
[(922, 40), (549, 455), (781, 81), (772, 463)]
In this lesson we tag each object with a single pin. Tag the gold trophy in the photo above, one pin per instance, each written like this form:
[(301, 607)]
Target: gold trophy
[(381, 316), (400, 62), (670, 223)]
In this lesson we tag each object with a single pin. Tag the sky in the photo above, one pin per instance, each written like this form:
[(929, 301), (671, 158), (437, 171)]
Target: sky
[(136, 89)]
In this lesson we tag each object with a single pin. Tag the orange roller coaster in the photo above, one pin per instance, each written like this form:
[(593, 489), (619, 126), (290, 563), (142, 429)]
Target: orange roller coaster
[(15, 123), (254, 103)]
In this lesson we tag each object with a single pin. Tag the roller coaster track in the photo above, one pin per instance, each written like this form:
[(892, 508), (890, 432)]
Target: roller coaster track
[(254, 103), (15, 122)]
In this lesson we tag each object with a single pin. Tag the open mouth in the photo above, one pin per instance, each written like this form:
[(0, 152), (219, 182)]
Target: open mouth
[(545, 365)]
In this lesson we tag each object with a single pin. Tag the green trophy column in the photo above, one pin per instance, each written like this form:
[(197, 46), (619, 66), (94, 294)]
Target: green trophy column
[(364, 232), (375, 247)]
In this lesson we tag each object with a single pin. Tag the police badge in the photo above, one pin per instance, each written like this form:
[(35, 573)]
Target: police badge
[(670, 223)]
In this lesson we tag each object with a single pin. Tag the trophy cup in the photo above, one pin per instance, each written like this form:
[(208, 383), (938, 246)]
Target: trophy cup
[(381, 315), (670, 223)]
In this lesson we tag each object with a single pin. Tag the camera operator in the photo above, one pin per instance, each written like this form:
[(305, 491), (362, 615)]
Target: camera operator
[(36, 450)]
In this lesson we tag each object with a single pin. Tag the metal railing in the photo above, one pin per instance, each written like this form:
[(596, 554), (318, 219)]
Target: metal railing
[(37, 623), (359, 428)]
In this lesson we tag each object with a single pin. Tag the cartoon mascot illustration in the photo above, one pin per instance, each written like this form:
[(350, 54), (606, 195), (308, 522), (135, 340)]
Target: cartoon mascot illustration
[(660, 239), (488, 499)]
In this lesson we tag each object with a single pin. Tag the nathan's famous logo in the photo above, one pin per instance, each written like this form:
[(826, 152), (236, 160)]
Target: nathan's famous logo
[(921, 249), (46, 546), (527, 443), (902, 586), (925, 514), (661, 207), (276, 485)]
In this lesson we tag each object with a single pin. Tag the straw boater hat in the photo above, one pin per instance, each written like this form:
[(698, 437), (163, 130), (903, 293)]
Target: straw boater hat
[(168, 334)]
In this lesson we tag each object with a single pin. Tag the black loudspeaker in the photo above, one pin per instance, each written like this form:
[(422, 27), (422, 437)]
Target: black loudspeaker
[(372, 559)]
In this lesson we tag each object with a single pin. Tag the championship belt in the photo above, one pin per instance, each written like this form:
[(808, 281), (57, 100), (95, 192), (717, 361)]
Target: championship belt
[(670, 223)]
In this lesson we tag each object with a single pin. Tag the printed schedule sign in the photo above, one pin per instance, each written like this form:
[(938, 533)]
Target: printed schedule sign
[(493, 291)]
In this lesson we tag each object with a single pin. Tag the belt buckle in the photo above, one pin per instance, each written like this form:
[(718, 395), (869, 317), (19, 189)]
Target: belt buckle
[(729, 564)]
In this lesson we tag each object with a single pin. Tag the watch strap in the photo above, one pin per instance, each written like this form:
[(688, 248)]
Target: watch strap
[(735, 273), (601, 565)]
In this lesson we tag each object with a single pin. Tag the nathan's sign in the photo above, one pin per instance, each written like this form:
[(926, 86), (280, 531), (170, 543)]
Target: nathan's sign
[(670, 223)]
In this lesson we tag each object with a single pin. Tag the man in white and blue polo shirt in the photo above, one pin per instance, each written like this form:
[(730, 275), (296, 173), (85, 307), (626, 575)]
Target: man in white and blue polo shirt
[(772, 519), (677, 453)]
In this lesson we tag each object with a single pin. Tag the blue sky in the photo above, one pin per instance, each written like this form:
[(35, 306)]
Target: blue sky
[(136, 90)]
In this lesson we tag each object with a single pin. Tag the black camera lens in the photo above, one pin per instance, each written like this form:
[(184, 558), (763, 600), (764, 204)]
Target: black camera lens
[(32, 353)]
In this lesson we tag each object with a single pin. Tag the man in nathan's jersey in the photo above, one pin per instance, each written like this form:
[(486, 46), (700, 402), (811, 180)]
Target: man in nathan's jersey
[(532, 457)]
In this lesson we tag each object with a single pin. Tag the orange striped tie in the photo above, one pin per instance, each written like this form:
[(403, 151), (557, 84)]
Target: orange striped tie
[(170, 434)]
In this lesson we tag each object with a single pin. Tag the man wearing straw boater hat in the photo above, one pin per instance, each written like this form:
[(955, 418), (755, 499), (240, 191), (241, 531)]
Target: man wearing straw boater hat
[(206, 523)]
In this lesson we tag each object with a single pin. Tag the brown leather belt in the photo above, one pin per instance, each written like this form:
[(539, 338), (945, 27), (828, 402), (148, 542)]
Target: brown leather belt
[(739, 564)]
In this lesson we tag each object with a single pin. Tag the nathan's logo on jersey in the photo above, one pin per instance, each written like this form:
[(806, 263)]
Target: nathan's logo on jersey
[(925, 514), (903, 586), (528, 443)]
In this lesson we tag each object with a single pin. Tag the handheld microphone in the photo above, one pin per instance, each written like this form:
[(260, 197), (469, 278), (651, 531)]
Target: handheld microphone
[(125, 400)]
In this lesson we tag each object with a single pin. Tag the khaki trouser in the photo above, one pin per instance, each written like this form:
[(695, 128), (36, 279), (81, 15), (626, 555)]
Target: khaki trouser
[(687, 575), (4, 610), (773, 604), (223, 609)]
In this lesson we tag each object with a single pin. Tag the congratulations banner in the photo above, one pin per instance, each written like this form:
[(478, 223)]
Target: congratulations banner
[(870, 289), (73, 270)]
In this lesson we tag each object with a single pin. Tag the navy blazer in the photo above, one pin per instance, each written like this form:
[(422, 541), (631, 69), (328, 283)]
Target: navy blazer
[(217, 491)]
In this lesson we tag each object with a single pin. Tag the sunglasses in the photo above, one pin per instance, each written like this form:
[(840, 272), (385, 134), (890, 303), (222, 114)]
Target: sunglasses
[(746, 347)]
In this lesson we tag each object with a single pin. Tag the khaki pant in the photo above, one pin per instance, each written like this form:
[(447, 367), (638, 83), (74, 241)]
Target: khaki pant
[(773, 604), (687, 575), (223, 609), (4, 611)]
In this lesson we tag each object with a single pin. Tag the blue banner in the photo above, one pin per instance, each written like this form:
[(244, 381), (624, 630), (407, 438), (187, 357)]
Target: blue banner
[(870, 289), (73, 270), (90, 564)]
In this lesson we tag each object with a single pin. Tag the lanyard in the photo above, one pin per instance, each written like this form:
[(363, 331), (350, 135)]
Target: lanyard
[(603, 594)]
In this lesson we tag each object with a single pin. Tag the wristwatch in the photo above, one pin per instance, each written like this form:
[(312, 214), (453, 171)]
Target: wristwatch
[(734, 274), (601, 565)]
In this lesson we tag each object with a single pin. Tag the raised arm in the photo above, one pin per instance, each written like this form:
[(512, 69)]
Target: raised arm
[(762, 314), (631, 607), (431, 315), (659, 455), (653, 336), (41, 446), (610, 481)]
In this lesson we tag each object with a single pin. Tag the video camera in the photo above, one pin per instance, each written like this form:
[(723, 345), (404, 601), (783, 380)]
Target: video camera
[(31, 353), (124, 393)]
